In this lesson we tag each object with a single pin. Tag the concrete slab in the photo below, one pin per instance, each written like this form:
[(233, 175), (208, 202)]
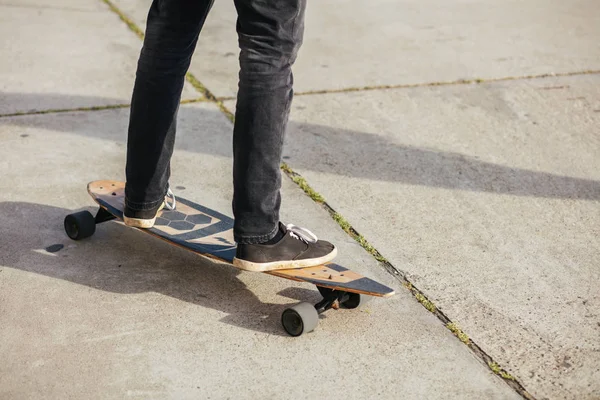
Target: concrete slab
[(65, 55), (488, 197), (124, 314), (353, 43)]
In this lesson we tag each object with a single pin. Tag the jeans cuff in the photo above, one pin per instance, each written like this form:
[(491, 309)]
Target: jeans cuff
[(240, 239), (147, 205)]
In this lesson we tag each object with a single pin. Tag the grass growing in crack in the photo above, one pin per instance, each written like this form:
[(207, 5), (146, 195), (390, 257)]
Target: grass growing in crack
[(458, 332), (91, 108), (190, 78), (499, 371), (200, 87), (341, 221), (125, 19), (372, 250), (345, 225), (197, 100), (426, 303), (209, 95), (65, 110), (442, 83), (286, 168), (300, 181)]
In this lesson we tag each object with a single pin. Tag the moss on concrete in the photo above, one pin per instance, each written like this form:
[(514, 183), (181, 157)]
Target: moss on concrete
[(458, 332)]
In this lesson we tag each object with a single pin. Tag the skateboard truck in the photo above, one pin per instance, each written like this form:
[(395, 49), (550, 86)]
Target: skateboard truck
[(332, 299), (82, 224), (102, 216), (304, 317)]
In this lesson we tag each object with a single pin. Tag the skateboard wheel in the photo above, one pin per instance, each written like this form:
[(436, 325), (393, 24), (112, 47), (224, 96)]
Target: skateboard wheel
[(80, 225), (356, 300), (302, 318)]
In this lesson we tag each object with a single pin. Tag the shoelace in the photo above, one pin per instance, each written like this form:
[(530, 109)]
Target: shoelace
[(301, 233), (173, 202)]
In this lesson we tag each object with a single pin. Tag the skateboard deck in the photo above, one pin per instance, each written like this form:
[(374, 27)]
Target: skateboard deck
[(210, 233)]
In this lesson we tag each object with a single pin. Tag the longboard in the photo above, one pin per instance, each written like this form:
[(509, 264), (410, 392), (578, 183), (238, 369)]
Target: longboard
[(210, 234)]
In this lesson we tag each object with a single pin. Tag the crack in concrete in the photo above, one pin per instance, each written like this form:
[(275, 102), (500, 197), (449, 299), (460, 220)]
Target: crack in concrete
[(189, 76), (90, 108), (209, 95), (446, 83), (132, 26), (441, 83), (41, 7), (418, 294), (64, 110)]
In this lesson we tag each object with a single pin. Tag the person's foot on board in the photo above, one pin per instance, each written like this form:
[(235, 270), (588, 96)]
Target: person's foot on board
[(292, 247), (146, 218)]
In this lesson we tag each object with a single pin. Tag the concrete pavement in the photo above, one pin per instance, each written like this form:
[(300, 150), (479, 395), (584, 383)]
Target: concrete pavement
[(490, 205), (353, 43), (126, 315), (486, 196)]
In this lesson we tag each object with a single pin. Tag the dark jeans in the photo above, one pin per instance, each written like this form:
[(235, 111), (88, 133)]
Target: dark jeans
[(269, 34)]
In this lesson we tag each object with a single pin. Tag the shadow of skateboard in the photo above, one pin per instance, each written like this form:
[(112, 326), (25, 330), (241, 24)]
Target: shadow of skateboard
[(210, 234)]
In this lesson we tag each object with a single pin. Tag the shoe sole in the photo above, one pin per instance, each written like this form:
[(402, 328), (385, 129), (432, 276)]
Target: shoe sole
[(291, 264), (140, 222)]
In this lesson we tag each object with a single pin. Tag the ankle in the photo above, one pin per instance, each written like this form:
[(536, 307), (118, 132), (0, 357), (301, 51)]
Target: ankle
[(275, 239)]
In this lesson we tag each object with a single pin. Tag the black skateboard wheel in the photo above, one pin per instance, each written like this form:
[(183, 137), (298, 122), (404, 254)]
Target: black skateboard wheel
[(299, 319), (355, 300), (80, 225)]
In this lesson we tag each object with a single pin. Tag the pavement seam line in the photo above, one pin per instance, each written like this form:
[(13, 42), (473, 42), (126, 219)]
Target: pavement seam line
[(209, 95), (347, 227), (401, 276), (65, 110), (132, 26), (434, 84), (90, 108)]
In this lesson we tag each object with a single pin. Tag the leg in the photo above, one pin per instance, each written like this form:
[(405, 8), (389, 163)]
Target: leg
[(171, 35), (270, 34)]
